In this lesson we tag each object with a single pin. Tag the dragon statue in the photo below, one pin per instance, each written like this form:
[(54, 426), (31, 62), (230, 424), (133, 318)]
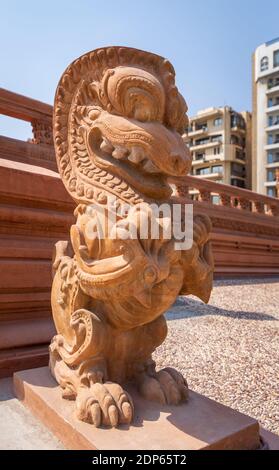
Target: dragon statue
[(118, 126)]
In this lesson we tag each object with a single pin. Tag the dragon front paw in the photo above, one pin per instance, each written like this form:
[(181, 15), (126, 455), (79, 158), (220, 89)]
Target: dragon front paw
[(104, 404), (166, 386)]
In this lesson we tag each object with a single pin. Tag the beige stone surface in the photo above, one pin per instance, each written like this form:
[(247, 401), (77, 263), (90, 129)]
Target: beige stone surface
[(198, 424)]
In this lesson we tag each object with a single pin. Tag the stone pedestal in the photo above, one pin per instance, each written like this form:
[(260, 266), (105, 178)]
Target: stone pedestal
[(199, 424)]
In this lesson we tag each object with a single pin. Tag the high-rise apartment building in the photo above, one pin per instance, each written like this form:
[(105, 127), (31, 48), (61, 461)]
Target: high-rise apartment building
[(265, 133), (220, 143)]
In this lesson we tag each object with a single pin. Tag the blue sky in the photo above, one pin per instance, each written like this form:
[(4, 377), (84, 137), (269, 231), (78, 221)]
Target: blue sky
[(209, 42)]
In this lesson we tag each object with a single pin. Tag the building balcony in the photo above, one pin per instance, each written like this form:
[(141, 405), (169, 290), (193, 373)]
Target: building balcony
[(270, 183), (272, 165), (273, 146), (211, 176), (197, 132), (208, 158), (272, 128), (205, 146), (272, 109), (238, 177), (272, 90), (206, 114), (238, 129)]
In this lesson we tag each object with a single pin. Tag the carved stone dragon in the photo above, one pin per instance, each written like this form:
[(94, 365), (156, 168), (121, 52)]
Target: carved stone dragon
[(118, 125)]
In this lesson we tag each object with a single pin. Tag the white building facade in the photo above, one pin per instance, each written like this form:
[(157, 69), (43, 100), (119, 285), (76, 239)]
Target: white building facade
[(265, 117)]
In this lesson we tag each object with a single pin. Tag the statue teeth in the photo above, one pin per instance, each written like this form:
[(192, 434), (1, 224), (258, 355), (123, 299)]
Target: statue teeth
[(106, 146), (119, 153), (137, 155), (150, 167)]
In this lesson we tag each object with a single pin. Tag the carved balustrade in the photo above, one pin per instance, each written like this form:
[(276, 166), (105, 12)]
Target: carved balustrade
[(228, 196), (39, 115)]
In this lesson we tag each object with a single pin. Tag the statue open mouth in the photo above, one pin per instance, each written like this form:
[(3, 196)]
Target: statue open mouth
[(121, 145), (136, 156)]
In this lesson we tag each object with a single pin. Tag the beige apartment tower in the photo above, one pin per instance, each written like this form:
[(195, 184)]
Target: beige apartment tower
[(220, 143), (265, 133)]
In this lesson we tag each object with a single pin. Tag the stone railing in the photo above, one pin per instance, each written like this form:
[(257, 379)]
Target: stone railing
[(37, 113), (245, 235), (229, 196), (40, 117)]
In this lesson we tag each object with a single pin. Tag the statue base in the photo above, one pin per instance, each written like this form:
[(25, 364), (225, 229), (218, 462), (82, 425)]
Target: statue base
[(198, 424)]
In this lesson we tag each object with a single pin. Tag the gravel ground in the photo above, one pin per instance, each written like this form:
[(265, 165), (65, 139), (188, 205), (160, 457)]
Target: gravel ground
[(229, 349)]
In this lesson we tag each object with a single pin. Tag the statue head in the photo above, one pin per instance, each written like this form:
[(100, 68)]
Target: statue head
[(118, 122)]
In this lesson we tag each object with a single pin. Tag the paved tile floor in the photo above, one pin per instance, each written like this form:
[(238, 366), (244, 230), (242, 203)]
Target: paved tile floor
[(19, 429)]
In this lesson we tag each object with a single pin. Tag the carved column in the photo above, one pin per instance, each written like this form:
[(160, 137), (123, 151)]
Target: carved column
[(225, 200), (259, 205), (182, 190), (42, 133), (244, 204), (274, 210), (204, 196)]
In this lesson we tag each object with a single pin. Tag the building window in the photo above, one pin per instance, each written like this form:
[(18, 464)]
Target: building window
[(276, 58), (203, 171), (269, 102), (272, 139), (272, 82), (264, 63), (271, 192), (273, 120), (216, 151), (217, 122), (217, 169), (216, 138), (240, 155), (199, 156), (201, 141), (238, 170), (237, 182), (202, 126), (271, 175), (273, 157), (237, 121), (234, 140)]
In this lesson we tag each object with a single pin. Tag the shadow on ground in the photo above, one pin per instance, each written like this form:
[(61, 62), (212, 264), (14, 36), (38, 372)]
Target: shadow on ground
[(6, 389), (244, 281), (188, 308)]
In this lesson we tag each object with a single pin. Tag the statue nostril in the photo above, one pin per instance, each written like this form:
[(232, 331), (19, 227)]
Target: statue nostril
[(178, 163)]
